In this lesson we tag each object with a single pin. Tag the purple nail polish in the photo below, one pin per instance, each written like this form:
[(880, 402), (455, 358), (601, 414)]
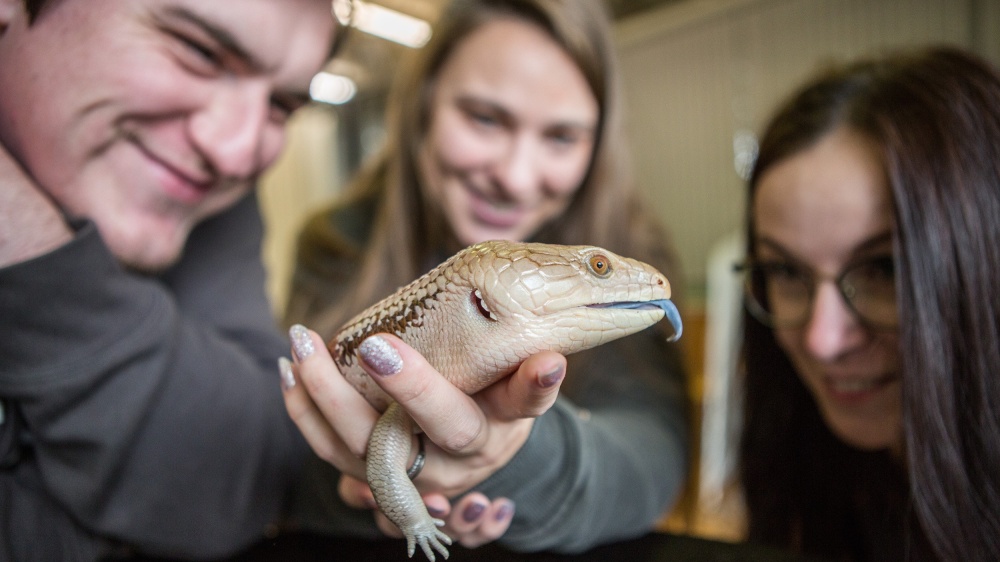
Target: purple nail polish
[(287, 376), (435, 512), (380, 356), (505, 511), (302, 344), (473, 512), (551, 379)]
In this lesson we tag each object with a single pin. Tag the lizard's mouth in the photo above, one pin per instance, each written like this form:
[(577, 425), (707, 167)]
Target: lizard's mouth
[(669, 309)]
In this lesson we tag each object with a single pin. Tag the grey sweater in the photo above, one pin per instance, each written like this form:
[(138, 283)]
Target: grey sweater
[(142, 413), (602, 465)]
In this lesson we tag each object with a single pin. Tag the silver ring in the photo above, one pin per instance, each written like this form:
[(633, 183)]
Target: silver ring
[(418, 463)]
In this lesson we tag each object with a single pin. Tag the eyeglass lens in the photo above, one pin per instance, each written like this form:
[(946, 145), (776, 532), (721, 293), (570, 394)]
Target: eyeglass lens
[(781, 294)]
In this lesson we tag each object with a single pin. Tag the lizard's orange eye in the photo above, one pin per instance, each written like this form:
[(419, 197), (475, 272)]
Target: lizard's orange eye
[(600, 265)]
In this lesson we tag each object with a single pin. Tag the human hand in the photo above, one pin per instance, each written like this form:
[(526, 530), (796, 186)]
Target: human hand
[(472, 522), (468, 437), (30, 223)]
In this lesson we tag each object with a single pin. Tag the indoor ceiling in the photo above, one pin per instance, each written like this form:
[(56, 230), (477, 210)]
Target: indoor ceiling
[(370, 61)]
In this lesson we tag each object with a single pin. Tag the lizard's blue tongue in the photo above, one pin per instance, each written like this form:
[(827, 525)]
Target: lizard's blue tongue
[(669, 310)]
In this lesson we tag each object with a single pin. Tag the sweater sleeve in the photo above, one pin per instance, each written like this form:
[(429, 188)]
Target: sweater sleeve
[(147, 410), (609, 458)]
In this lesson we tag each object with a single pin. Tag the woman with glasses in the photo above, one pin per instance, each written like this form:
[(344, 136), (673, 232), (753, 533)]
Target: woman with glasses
[(871, 348)]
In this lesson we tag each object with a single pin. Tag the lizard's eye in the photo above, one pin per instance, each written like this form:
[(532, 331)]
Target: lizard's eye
[(600, 265)]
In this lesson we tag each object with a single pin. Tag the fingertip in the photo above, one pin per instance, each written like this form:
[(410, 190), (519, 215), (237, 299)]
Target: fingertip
[(504, 510), (473, 511), (302, 342), (438, 506), (547, 369), (551, 378), (356, 493), (286, 373), (380, 357)]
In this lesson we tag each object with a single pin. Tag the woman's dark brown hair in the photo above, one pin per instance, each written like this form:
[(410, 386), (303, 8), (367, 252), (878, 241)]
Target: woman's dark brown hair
[(934, 115)]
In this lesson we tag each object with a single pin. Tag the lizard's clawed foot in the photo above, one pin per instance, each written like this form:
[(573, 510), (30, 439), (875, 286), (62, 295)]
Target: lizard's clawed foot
[(428, 535)]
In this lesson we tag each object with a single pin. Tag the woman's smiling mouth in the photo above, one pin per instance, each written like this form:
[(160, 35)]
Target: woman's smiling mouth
[(494, 213)]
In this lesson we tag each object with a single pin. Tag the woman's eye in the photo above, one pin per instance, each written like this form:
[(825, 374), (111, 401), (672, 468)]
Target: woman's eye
[(881, 269), (564, 138), (483, 119), (780, 271)]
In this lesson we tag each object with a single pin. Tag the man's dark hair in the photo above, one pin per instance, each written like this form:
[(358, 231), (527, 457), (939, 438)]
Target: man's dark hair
[(34, 7)]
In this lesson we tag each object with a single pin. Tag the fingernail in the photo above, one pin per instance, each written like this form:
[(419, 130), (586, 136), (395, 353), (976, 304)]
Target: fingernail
[(472, 512), (505, 511), (381, 356), (302, 344), (435, 512), (287, 376), (551, 379)]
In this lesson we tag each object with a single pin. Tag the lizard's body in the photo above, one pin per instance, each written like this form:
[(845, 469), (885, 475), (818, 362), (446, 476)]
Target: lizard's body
[(475, 318)]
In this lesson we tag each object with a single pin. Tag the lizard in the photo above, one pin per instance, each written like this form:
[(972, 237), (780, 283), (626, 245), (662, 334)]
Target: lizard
[(475, 318)]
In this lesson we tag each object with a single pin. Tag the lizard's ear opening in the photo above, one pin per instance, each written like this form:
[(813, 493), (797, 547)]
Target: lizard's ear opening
[(481, 306)]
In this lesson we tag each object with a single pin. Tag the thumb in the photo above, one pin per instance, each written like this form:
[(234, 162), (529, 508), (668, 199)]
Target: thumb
[(532, 389)]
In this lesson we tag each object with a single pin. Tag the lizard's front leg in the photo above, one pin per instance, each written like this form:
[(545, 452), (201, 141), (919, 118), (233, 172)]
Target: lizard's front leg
[(397, 497)]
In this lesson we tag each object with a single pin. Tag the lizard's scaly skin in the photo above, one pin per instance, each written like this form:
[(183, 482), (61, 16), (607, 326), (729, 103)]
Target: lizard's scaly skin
[(475, 318)]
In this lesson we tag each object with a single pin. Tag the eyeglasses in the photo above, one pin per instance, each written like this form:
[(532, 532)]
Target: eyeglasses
[(780, 294)]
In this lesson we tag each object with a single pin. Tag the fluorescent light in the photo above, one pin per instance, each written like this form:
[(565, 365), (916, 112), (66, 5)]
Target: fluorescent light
[(332, 88), (390, 24)]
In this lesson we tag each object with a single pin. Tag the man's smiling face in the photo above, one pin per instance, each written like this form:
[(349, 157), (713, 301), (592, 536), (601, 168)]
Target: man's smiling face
[(148, 116)]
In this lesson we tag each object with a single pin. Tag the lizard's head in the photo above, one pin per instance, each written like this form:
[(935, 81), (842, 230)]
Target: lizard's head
[(581, 295)]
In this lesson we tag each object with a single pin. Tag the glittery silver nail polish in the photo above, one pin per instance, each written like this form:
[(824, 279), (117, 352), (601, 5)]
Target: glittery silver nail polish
[(381, 356), (287, 376), (302, 344)]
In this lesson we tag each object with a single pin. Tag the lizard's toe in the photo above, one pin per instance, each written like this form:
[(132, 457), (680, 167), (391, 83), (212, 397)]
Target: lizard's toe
[(430, 538)]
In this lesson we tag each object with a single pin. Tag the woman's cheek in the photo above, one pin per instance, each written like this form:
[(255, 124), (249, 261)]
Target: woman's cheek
[(460, 146)]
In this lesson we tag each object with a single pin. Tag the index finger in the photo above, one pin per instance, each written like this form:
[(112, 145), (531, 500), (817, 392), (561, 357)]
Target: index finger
[(346, 411), (447, 415)]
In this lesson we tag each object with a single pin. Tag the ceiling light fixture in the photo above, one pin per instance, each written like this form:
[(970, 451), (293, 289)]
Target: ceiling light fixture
[(390, 24), (332, 88)]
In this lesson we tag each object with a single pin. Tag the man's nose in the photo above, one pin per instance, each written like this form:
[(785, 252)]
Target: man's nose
[(832, 328), (230, 129)]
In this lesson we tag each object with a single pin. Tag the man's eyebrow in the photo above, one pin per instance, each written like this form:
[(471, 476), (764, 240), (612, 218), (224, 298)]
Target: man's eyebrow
[(219, 34)]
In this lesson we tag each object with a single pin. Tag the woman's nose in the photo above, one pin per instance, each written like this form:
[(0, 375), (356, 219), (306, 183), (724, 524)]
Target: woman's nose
[(832, 328), (517, 170), (230, 130)]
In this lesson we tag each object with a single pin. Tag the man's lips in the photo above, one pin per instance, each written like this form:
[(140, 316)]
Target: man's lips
[(180, 183)]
